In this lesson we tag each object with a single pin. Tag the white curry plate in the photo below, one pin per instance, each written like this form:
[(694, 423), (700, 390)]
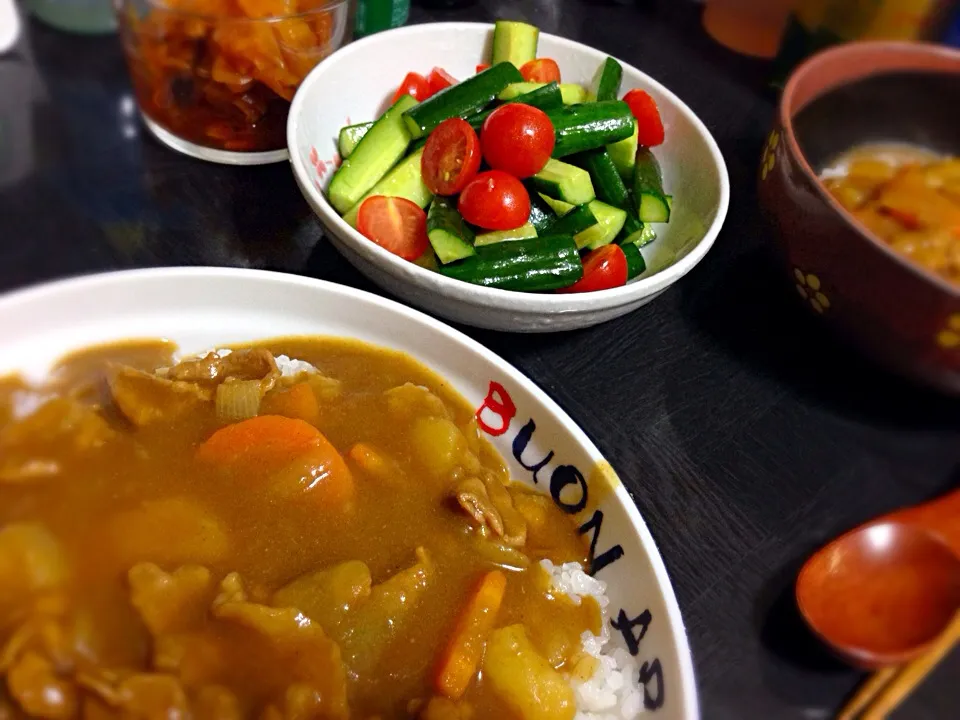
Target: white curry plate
[(202, 308)]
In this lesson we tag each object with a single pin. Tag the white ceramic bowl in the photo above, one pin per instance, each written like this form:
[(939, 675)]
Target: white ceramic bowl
[(201, 308), (352, 85)]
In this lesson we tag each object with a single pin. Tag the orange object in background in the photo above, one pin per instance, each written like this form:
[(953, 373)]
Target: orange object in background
[(752, 27), (221, 73)]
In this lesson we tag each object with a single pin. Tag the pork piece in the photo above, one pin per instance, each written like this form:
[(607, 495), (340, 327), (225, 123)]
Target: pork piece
[(31, 561), (34, 684), (213, 368), (170, 532), (295, 642), (488, 502), (29, 446), (145, 398), (194, 657), (152, 696), (326, 595), (170, 602)]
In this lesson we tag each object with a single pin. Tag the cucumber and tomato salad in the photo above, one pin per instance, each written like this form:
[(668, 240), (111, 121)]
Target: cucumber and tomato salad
[(510, 178)]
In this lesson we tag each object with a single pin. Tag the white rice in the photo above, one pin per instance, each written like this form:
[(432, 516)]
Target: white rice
[(613, 692), (289, 367)]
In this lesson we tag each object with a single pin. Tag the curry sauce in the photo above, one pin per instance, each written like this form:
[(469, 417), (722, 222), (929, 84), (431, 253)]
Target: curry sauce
[(245, 535)]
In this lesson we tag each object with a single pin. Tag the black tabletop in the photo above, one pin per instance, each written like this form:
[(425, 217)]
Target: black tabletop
[(748, 436)]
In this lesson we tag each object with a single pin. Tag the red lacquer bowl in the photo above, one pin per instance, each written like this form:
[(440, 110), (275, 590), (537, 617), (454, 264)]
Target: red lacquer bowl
[(897, 312)]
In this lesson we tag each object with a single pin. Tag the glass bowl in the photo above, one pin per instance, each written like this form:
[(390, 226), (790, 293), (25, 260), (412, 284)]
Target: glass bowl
[(214, 78)]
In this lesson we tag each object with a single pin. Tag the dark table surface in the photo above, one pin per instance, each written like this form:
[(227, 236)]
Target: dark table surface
[(747, 435)]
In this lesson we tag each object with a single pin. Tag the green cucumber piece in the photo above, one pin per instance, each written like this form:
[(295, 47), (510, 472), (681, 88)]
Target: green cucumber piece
[(575, 221), (542, 216), (609, 185), (543, 96), (428, 260), (515, 90), (405, 180), (624, 154), (653, 208), (610, 221), (590, 125), (349, 138), (647, 176), (461, 100), (606, 83), (524, 232), (372, 158), (636, 265), (514, 42), (648, 188), (538, 264), (450, 236), (642, 237), (565, 182), (573, 94), (560, 207)]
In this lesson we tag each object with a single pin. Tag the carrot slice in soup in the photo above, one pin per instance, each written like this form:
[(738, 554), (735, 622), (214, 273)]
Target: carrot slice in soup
[(459, 660), (297, 456)]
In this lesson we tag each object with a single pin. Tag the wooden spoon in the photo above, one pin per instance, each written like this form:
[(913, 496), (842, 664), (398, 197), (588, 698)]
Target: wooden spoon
[(882, 593)]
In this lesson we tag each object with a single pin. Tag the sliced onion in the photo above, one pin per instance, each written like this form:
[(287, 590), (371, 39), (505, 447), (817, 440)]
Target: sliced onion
[(238, 400)]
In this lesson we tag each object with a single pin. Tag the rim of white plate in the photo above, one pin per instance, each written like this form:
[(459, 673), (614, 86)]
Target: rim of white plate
[(494, 297), (48, 292)]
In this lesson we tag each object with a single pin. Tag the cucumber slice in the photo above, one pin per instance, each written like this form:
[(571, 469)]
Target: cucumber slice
[(573, 94), (542, 216), (575, 221), (653, 208), (647, 176), (544, 96), (565, 182), (648, 188), (514, 42), (450, 236), (610, 221), (606, 83), (461, 100), (372, 158), (428, 260), (636, 265), (590, 125), (350, 137), (624, 155), (537, 264), (560, 207), (515, 90), (405, 180), (640, 238), (608, 185), (524, 232)]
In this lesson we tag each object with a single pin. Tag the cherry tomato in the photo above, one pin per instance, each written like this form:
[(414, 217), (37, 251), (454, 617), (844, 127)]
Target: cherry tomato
[(451, 157), (413, 84), (649, 124), (496, 201), (603, 268), (482, 66), (439, 79), (542, 70), (517, 139), (395, 224)]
